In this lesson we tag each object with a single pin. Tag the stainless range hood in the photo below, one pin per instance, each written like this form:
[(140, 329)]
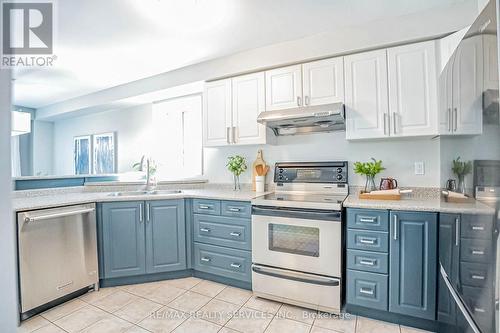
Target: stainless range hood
[(304, 120)]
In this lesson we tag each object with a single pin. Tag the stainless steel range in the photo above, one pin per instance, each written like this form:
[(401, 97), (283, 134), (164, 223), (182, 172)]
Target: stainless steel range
[(297, 236)]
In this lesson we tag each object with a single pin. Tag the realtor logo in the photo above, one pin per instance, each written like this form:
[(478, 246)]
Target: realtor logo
[(27, 28)]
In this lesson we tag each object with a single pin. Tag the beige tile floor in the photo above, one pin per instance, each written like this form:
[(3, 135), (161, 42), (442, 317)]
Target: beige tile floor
[(192, 305)]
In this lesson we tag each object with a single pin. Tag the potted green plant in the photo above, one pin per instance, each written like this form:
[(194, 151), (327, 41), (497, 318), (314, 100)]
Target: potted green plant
[(237, 165), (370, 170), (461, 169)]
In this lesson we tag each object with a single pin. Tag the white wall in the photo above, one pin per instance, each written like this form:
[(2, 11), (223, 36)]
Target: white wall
[(398, 156), (43, 148), (8, 276), (132, 127)]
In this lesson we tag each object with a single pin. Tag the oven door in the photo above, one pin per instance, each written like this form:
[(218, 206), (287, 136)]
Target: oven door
[(303, 240)]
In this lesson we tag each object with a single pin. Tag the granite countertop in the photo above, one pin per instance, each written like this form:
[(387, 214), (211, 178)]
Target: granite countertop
[(73, 198), (432, 204)]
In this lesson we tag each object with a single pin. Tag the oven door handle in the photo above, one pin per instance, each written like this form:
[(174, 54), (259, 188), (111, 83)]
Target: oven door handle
[(296, 276), (300, 213)]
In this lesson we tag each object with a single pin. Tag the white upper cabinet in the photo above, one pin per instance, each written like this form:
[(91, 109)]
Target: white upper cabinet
[(445, 93), (217, 116), (248, 102), (323, 81), (467, 81), (284, 88), (413, 102), (490, 48), (366, 96)]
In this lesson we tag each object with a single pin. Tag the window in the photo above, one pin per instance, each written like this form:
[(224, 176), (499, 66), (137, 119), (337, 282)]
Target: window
[(177, 140)]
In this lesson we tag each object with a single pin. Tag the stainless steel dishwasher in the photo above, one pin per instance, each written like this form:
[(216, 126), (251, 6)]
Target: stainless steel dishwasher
[(57, 253)]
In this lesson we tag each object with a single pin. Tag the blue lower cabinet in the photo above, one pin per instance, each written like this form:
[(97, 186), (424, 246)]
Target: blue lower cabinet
[(165, 236), (123, 239), (367, 289), (368, 261), (413, 264), (223, 231), (230, 263)]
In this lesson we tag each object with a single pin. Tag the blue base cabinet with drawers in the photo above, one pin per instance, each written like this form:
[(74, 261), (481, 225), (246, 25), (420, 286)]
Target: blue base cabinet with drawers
[(392, 263), (222, 240)]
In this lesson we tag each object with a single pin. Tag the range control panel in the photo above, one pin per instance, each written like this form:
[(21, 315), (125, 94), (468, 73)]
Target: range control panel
[(311, 172)]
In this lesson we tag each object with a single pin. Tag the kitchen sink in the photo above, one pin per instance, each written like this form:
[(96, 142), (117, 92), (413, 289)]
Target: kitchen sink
[(135, 193)]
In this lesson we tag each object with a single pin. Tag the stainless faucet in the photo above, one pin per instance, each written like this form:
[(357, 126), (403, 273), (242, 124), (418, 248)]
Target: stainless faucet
[(149, 186)]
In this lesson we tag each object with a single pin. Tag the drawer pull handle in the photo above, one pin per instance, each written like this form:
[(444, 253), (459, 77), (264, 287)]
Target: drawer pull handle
[(477, 277), (366, 291), (370, 241), (64, 285), (205, 229), (478, 253), (367, 262), (204, 207), (235, 265), (478, 228), (235, 234), (367, 220), (479, 310), (234, 209), (206, 259)]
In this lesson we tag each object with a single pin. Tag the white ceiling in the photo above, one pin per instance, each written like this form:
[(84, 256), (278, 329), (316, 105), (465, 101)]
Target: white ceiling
[(102, 44)]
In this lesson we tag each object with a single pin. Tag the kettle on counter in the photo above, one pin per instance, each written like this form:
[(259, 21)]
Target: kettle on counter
[(388, 184)]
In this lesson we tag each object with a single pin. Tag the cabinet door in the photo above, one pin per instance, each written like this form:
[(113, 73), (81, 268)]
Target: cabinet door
[(446, 99), (165, 236), (248, 102), (323, 81), (217, 120), (366, 99), (468, 87), (123, 239), (413, 266), (490, 47), (284, 88), (413, 102), (449, 246)]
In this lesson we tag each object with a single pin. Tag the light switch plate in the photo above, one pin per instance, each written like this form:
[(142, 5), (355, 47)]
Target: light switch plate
[(419, 168)]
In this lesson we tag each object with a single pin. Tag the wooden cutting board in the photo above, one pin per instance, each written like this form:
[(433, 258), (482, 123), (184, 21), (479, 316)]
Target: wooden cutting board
[(258, 161)]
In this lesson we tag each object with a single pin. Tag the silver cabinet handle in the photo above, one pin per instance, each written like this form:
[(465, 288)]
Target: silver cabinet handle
[(475, 228), (299, 101), (385, 124), (395, 122), (64, 285), (478, 277), (366, 291), (395, 225), (233, 265), (479, 310), (204, 229), (367, 262), (457, 231), (234, 134), (203, 207), (234, 209), (29, 218), (235, 234), (370, 241), (205, 259), (148, 207), (367, 220), (141, 217), (450, 120), (306, 100), (455, 117), (228, 140), (477, 253)]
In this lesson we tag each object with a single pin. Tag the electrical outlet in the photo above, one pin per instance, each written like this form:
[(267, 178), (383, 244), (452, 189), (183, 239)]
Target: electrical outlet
[(419, 168)]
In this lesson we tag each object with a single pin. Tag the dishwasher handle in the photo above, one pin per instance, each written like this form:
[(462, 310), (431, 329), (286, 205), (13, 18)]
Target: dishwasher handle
[(30, 219)]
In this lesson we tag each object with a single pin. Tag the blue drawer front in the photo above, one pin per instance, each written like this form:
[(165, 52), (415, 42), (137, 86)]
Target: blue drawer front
[(476, 275), (367, 289), (368, 261), (237, 209), (202, 206), (224, 231), (477, 226), (476, 250), (367, 240), (377, 220), (230, 263)]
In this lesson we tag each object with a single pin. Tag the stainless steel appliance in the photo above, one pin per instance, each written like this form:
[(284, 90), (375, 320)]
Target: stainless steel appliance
[(57, 254), (303, 120), (297, 236)]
